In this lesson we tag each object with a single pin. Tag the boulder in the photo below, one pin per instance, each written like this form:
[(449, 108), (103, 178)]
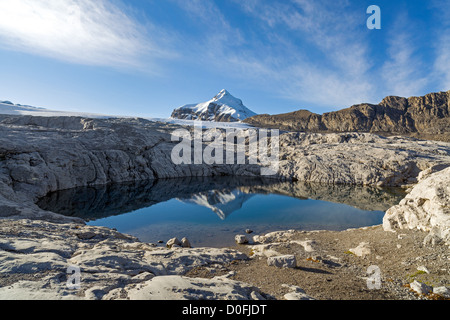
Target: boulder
[(442, 291), (241, 239), (420, 288), (185, 243), (285, 261), (426, 208), (173, 242)]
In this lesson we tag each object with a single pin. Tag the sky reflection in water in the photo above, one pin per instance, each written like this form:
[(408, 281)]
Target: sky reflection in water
[(211, 211)]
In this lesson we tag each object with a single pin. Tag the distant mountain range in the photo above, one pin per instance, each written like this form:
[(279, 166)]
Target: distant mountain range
[(10, 108), (425, 117), (222, 108)]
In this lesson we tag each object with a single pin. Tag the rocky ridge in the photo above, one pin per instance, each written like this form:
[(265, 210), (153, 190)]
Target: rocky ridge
[(426, 116)]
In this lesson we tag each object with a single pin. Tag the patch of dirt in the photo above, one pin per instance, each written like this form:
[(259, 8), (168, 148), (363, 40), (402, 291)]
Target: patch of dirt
[(332, 272)]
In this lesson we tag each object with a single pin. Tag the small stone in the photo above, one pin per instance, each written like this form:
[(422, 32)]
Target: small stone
[(185, 243), (86, 235), (297, 296), (172, 242), (423, 268), (442, 291), (259, 239), (160, 241), (248, 231), (296, 293), (420, 288), (255, 295), (241, 239), (309, 245), (361, 250), (286, 261), (94, 293)]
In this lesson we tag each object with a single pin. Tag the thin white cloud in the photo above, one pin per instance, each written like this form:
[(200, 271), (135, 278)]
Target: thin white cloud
[(442, 63), (329, 29), (79, 31), (402, 70), (217, 33), (441, 68)]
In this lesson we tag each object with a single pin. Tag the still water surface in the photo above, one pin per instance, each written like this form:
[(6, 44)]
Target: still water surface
[(211, 211)]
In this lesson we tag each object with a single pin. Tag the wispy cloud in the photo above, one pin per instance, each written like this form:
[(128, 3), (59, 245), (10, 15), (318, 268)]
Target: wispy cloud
[(325, 58), (442, 63), (217, 34), (441, 67), (320, 53), (402, 71), (78, 31)]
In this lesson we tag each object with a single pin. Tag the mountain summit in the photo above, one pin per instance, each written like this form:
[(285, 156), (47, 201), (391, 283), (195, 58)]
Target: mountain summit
[(222, 108)]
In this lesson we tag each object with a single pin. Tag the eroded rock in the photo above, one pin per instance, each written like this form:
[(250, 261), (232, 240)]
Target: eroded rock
[(184, 288), (285, 261), (241, 239), (426, 207)]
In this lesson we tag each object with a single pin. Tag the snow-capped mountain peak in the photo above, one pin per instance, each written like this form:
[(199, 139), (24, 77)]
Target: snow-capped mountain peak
[(223, 108), (225, 97), (222, 202)]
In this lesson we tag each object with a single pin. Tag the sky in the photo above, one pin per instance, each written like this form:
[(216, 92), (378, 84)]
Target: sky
[(147, 57)]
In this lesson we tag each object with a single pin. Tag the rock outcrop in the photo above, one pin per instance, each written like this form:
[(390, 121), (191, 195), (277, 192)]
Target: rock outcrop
[(426, 116), (358, 158), (35, 257), (185, 288), (426, 207)]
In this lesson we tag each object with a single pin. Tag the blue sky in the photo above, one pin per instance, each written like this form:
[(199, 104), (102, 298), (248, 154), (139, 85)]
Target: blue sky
[(147, 57)]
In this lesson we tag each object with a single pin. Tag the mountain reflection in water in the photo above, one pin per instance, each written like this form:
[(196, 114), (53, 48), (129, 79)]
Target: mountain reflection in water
[(161, 209)]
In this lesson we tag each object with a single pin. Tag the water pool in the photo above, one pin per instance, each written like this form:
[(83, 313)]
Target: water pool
[(211, 211)]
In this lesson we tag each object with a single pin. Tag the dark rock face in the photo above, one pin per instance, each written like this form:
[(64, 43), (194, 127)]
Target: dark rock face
[(426, 115)]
